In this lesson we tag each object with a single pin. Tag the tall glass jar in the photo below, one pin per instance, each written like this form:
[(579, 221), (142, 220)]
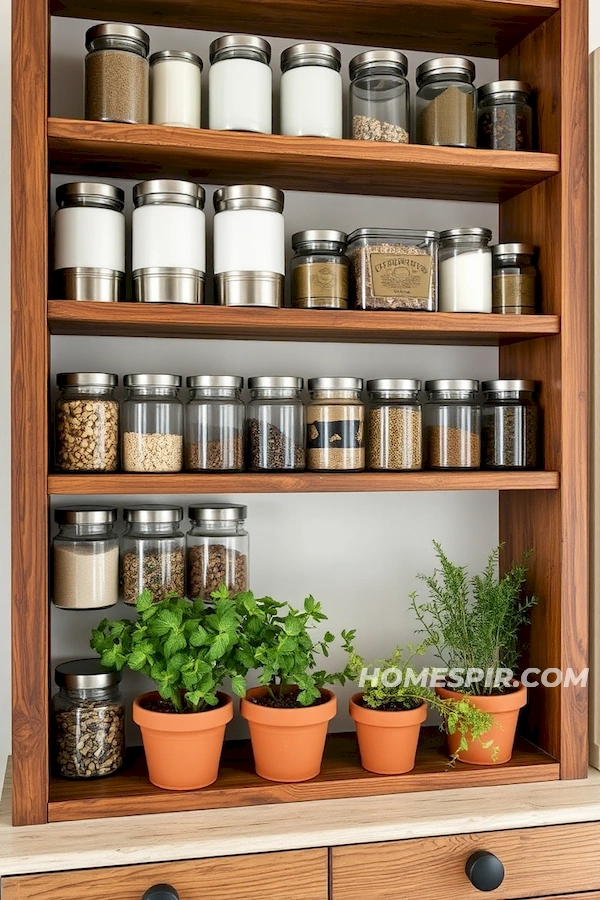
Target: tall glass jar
[(214, 424), (505, 118), (276, 424), (85, 558), (465, 271), (447, 102), (380, 97), (320, 270), (514, 279), (175, 81), (116, 74), (335, 425), (86, 421), (152, 424), (394, 425), (217, 549), (453, 424), (509, 424), (240, 84), (152, 552), (311, 91)]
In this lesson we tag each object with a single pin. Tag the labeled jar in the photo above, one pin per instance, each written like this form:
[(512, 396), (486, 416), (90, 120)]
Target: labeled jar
[(89, 242), (175, 81), (214, 424), (240, 84), (394, 425), (514, 279), (85, 558), (217, 549), (88, 718), (310, 92), (380, 97), (509, 424), (168, 233), (86, 422), (319, 270), (276, 424), (335, 425), (505, 118), (152, 424), (452, 418), (152, 553), (447, 102), (466, 270), (249, 246), (116, 74)]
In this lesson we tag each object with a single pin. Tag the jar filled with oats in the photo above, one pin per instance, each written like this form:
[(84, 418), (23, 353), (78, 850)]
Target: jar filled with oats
[(217, 549), (86, 422), (152, 426), (335, 425), (394, 433), (152, 552)]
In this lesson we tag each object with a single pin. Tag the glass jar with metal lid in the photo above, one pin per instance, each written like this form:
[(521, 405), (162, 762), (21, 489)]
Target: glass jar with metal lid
[(509, 424), (217, 549), (152, 424), (168, 231), (116, 73), (86, 422), (319, 270), (175, 88), (214, 424), (240, 84), (152, 552), (249, 246), (335, 425), (505, 117), (514, 279), (311, 91), (276, 424), (380, 97), (85, 558), (465, 270), (447, 102), (452, 419), (88, 719), (394, 434)]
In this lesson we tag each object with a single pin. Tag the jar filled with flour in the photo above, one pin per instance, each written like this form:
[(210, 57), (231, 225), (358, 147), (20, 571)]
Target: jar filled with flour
[(240, 84), (175, 79), (465, 270), (311, 91), (85, 556)]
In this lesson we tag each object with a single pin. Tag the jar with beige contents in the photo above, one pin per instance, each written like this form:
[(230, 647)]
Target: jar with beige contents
[(453, 424), (86, 422), (152, 424), (217, 549), (152, 552), (394, 433), (85, 556), (335, 425)]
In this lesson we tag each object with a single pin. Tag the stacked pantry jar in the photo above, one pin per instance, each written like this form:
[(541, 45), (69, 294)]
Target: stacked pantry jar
[(152, 552), (335, 425), (394, 425), (276, 424), (214, 424), (86, 421), (85, 558), (453, 424), (152, 424), (217, 549)]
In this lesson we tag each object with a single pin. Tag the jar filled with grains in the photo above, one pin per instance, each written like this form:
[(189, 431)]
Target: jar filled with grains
[(514, 279), (276, 424), (85, 558), (447, 102), (465, 270), (320, 270), (379, 97), (217, 549), (453, 424), (152, 552), (335, 425), (116, 74), (395, 431), (152, 424), (311, 91), (214, 424), (86, 422), (509, 424), (505, 118), (240, 84)]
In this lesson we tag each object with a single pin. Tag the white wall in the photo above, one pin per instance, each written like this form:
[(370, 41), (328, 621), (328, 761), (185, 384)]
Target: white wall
[(594, 24)]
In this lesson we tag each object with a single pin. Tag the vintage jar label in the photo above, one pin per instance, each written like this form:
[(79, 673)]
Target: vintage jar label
[(320, 281), (400, 275), (342, 434)]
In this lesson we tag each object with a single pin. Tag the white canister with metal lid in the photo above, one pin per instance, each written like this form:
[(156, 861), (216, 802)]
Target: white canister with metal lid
[(240, 84), (175, 82), (311, 91)]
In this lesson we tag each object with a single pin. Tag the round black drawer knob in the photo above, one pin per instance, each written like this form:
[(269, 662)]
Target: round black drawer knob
[(161, 892), (484, 871)]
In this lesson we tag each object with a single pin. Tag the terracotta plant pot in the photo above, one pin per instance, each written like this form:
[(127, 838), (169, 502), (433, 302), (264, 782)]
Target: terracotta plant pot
[(387, 740), (288, 744), (505, 710), (183, 751)]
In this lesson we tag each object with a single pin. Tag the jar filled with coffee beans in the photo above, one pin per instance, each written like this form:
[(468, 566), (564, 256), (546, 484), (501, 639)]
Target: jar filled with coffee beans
[(509, 424), (217, 549), (214, 424), (276, 424), (453, 424), (394, 420), (335, 425), (152, 552), (86, 422)]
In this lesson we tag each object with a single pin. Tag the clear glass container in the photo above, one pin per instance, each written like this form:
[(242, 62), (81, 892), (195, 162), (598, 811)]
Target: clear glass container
[(175, 79), (514, 279), (276, 424), (152, 424), (217, 549), (335, 425), (465, 270), (152, 552), (214, 424), (447, 102), (452, 419), (311, 91), (380, 97), (117, 74), (394, 435), (320, 270), (86, 422), (509, 425), (240, 84), (85, 558), (505, 118), (88, 720)]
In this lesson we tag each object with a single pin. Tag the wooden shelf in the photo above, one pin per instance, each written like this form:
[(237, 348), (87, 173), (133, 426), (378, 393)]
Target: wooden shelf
[(306, 164)]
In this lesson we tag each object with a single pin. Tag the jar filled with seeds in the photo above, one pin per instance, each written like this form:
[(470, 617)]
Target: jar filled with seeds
[(88, 720), (452, 418), (514, 279), (379, 97), (509, 424), (276, 429), (335, 425), (320, 270), (85, 558), (86, 422), (217, 549), (214, 424), (152, 552), (152, 424), (447, 102), (394, 432), (117, 74), (505, 118)]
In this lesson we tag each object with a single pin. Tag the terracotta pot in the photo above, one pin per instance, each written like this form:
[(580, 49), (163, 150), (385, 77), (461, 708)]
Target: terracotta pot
[(387, 740), (505, 710), (288, 744), (183, 751)]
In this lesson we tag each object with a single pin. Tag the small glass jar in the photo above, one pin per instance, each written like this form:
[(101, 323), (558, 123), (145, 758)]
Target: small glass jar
[(452, 418), (152, 424), (311, 91), (509, 428), (276, 424), (86, 422), (175, 88), (380, 97), (394, 425), (514, 279), (319, 270), (116, 74), (88, 716), (85, 558), (214, 424), (217, 549), (240, 84), (505, 118), (447, 102), (465, 273), (152, 553), (335, 425)]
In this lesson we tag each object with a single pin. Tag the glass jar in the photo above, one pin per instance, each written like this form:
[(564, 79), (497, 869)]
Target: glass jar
[(514, 279), (335, 425), (217, 549), (85, 558), (453, 424), (240, 84), (394, 425), (152, 553), (175, 88), (319, 270), (86, 422), (116, 74), (152, 424), (311, 91), (509, 425), (447, 102), (214, 424), (380, 97), (88, 716), (276, 424), (465, 270), (505, 118)]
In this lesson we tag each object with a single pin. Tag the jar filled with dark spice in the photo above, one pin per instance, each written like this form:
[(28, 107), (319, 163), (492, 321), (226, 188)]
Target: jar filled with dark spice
[(117, 74), (276, 424), (509, 424), (379, 97), (394, 420), (214, 424), (335, 425), (453, 424), (152, 552), (505, 117), (217, 549), (447, 102), (320, 270), (514, 279)]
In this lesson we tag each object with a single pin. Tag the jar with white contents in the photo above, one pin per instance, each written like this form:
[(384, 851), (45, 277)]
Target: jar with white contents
[(240, 84), (175, 88), (311, 91), (465, 277), (85, 557)]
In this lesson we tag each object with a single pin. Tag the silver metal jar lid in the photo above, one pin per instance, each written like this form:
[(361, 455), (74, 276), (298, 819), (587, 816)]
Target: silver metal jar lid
[(445, 65), (383, 234), (153, 515), (241, 42), (85, 515), (335, 384), (168, 190), (218, 512), (85, 674), (87, 379), (88, 193), (152, 380), (452, 384), (264, 382), (513, 250), (235, 382), (319, 238), (378, 62), (508, 384), (311, 54), (378, 385), (248, 196), (99, 36), (452, 234), (186, 55), (503, 87)]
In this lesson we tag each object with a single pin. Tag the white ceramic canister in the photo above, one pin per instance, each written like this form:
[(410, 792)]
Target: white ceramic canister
[(168, 242), (175, 88), (240, 84), (465, 270), (311, 91)]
